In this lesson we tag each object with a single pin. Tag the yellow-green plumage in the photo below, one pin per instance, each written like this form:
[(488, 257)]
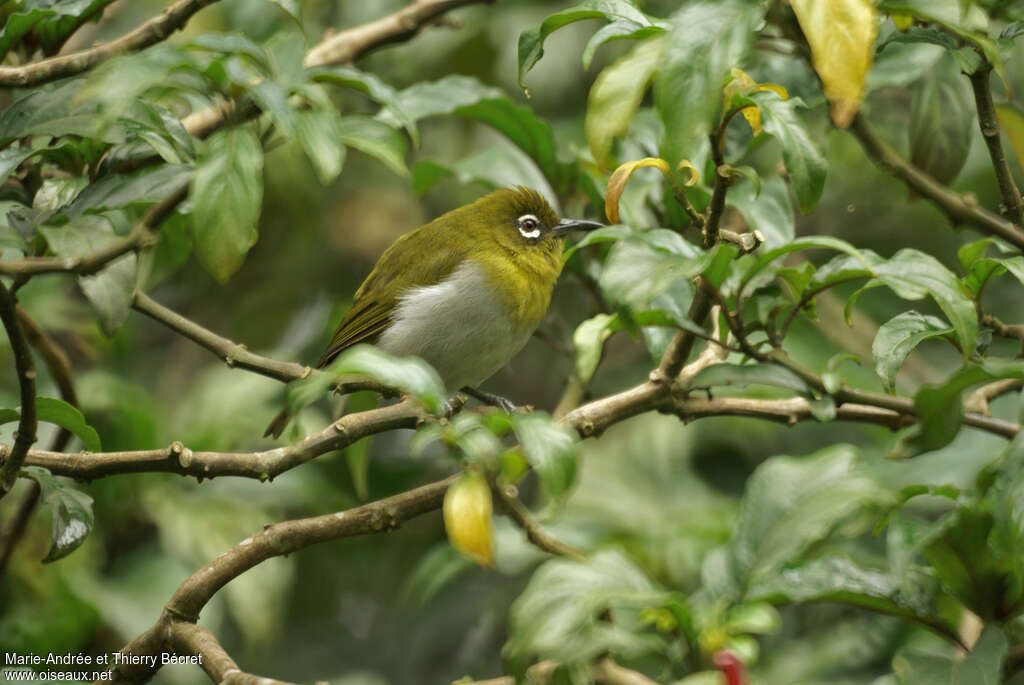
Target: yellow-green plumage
[(464, 292)]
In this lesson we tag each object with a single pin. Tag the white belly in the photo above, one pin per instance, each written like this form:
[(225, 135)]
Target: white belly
[(457, 326)]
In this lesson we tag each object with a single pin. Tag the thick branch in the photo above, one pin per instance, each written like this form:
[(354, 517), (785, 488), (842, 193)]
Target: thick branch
[(955, 206), (188, 638), (989, 125), (25, 369), (274, 540), (139, 237), (153, 31), (263, 465)]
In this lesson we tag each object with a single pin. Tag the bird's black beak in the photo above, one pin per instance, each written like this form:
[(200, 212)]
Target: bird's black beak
[(566, 226)]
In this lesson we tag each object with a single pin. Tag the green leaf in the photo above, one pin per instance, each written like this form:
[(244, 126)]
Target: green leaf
[(1012, 122), (626, 19), (272, 99), (110, 290), (520, 125), (291, 7), (8, 415), (724, 374), (70, 509), (706, 40), (769, 211), (499, 166), (133, 190), (839, 579), (805, 163), (411, 375), (898, 337), (56, 411), (394, 112), (558, 615), (941, 119), (227, 193), (377, 140), (615, 96), (940, 408), (983, 665), (235, 44), (913, 275), (550, 449), (810, 242), (793, 503), (320, 132), (49, 111)]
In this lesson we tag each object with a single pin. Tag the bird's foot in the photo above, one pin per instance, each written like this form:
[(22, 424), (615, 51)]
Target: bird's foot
[(502, 403)]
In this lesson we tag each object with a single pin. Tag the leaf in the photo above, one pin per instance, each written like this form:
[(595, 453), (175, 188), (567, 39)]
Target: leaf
[(48, 111), (272, 99), (898, 337), (411, 375), (627, 19), (706, 40), (983, 665), (913, 275), (66, 416), (227, 193), (558, 615), (615, 96), (617, 183), (550, 449), (940, 407), (319, 132), (810, 242), (110, 290), (793, 503), (805, 163), (770, 212), (841, 34), (941, 117), (839, 579), (130, 190), (1012, 121), (377, 140), (500, 166), (291, 7), (70, 509), (393, 112), (724, 374), (467, 517)]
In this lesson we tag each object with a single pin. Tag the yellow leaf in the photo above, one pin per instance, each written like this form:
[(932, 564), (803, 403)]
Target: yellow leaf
[(694, 174), (842, 36), (742, 84), (1012, 121), (467, 518), (617, 183)]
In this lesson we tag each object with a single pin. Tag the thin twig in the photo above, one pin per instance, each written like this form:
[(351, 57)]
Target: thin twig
[(958, 208), (535, 533), (978, 400), (188, 638), (24, 368), (153, 31), (1004, 330), (57, 364), (989, 125)]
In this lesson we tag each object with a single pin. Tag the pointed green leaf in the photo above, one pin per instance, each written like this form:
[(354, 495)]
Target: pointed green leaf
[(70, 509), (898, 337)]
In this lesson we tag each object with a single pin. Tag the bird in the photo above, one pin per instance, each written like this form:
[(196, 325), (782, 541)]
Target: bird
[(463, 292)]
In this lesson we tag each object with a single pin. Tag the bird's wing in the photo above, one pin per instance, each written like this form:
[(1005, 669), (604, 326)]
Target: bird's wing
[(420, 259)]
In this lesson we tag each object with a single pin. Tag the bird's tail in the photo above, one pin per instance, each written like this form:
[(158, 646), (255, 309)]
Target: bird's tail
[(277, 426)]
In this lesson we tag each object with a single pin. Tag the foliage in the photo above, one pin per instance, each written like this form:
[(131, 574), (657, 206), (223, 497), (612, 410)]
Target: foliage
[(788, 550)]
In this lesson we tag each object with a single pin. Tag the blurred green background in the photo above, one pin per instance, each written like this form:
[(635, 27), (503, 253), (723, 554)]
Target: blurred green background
[(402, 607)]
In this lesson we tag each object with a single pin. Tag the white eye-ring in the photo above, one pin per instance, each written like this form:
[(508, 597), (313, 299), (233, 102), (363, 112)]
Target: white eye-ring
[(529, 226)]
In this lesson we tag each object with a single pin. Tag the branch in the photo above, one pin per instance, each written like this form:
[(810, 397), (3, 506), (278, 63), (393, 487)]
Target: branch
[(343, 46), (57, 364), (234, 354), (25, 369), (139, 237), (978, 400), (188, 638), (263, 465), (959, 209), (989, 125), (535, 533), (274, 540), (153, 31)]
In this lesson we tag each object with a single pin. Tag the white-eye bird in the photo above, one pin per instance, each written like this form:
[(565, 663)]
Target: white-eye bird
[(464, 292)]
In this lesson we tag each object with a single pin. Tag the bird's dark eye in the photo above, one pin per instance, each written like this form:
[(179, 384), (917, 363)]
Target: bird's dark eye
[(529, 226)]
